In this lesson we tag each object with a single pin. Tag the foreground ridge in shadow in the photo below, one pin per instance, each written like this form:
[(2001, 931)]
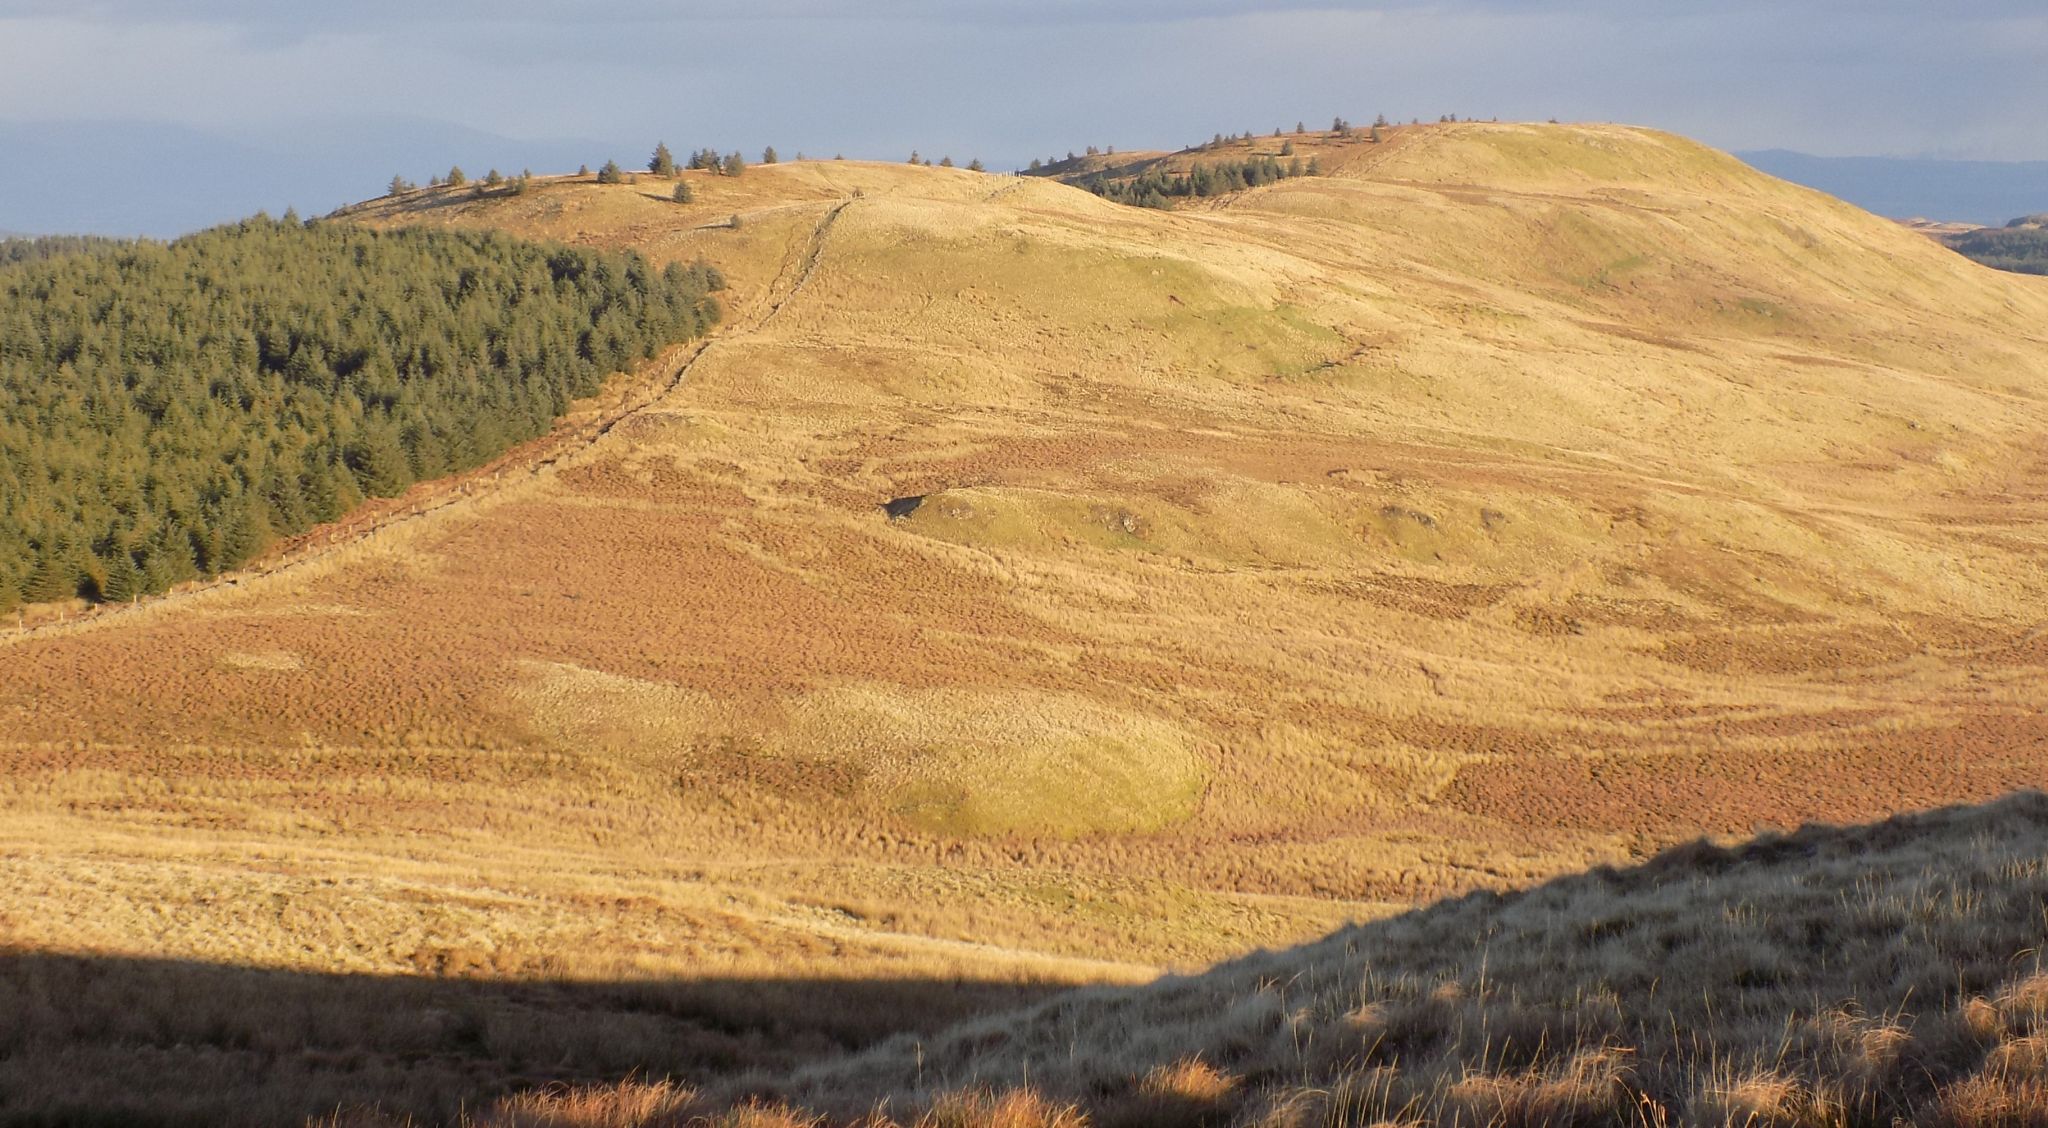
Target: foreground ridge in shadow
[(92, 1039), (1880, 971), (1879, 974)]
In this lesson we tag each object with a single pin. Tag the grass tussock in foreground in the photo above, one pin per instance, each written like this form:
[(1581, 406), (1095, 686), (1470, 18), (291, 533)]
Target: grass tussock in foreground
[(1881, 975)]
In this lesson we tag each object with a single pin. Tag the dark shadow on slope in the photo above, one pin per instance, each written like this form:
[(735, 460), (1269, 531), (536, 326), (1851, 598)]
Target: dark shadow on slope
[(1851, 963), (1734, 945), (901, 507), (98, 1040)]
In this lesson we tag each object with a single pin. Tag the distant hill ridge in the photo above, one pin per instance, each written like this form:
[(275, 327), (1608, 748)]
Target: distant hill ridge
[(2021, 246), (1982, 192)]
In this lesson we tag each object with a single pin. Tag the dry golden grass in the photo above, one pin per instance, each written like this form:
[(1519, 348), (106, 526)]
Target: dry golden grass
[(1514, 499), (1881, 975), (1830, 978)]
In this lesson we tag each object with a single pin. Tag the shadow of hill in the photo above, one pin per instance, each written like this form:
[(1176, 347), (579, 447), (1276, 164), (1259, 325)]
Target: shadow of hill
[(1788, 956), (89, 1040), (1876, 970)]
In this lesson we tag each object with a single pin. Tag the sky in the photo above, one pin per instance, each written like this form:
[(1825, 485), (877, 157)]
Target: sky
[(1005, 80)]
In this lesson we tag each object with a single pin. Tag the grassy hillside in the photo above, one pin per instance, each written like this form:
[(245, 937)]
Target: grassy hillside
[(1877, 975), (1506, 501)]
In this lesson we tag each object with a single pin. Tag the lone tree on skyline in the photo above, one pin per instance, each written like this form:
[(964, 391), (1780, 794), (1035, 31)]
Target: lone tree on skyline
[(734, 164), (456, 179), (611, 173), (768, 156), (399, 186), (663, 162)]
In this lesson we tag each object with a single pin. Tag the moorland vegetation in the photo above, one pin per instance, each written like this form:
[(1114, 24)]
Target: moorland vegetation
[(1865, 977), (1507, 502)]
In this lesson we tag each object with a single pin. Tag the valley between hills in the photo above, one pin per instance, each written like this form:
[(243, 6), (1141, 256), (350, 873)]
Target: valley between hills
[(1021, 590)]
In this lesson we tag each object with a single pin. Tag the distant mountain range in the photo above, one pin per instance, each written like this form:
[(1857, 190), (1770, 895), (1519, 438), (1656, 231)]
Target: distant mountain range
[(146, 178), (1986, 192)]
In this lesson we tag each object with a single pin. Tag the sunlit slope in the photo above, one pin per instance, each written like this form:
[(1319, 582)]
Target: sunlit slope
[(1869, 975), (1508, 499)]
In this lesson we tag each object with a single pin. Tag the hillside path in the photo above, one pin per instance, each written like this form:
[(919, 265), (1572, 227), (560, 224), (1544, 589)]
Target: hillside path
[(522, 465)]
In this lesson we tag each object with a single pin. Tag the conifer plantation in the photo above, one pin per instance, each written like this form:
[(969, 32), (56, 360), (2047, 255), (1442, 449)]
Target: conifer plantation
[(2020, 246), (167, 410), (1158, 188)]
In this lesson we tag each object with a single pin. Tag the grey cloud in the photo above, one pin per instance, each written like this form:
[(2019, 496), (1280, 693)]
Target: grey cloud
[(376, 13), (1009, 79)]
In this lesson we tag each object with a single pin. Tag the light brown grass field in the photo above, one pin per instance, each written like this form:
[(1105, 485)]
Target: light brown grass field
[(1512, 500), (1881, 975)]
